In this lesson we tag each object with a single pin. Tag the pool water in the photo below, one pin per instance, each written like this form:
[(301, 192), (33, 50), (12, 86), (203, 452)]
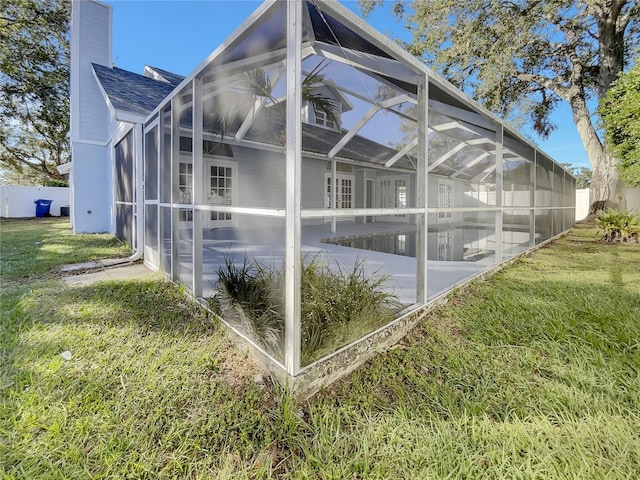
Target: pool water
[(396, 243), (455, 244)]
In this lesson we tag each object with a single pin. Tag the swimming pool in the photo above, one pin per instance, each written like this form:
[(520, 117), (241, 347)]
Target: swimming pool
[(453, 244), (396, 243)]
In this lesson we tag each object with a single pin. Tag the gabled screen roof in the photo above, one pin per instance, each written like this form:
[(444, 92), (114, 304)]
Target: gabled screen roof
[(331, 32), (328, 30)]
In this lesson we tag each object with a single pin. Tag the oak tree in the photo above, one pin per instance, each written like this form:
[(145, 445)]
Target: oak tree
[(34, 88), (530, 54)]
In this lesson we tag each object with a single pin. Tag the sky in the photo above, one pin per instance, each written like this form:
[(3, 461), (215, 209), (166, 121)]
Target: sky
[(179, 35)]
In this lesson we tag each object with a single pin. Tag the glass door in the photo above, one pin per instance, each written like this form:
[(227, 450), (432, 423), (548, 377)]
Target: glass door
[(344, 193), (392, 193), (219, 189)]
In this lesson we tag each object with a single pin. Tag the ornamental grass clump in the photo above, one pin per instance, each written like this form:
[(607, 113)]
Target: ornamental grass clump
[(339, 305), (251, 297), (618, 226)]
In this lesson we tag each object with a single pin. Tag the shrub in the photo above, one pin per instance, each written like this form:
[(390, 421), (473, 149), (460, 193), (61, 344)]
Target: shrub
[(618, 226), (338, 306), (251, 297)]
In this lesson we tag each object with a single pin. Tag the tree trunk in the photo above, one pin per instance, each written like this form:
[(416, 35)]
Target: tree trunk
[(606, 188)]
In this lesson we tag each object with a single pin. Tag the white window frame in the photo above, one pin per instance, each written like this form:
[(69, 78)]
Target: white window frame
[(445, 199), (319, 118), (340, 176), (208, 161), (384, 201), (444, 244)]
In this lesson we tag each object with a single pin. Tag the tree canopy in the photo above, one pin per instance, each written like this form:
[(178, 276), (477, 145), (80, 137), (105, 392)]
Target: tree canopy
[(620, 113), (34, 89), (582, 174), (529, 55)]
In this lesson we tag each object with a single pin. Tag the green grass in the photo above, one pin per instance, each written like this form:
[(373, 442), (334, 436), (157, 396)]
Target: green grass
[(38, 245), (534, 373)]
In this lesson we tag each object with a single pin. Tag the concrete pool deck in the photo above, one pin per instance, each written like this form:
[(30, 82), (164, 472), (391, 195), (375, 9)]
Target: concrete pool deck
[(267, 248)]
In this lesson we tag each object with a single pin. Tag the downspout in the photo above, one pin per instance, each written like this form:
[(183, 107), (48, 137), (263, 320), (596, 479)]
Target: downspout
[(138, 215)]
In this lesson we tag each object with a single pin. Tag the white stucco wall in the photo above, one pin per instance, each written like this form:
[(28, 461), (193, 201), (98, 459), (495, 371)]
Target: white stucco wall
[(92, 189), (18, 201)]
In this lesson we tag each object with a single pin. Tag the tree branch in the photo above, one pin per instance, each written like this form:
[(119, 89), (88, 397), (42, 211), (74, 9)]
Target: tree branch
[(544, 82), (623, 20), (22, 157), (38, 129)]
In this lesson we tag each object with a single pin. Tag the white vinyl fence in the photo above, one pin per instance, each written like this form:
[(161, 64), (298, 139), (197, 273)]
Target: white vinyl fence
[(633, 199), (18, 201), (582, 201)]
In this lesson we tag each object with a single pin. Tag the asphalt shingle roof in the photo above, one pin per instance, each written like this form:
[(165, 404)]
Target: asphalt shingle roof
[(172, 78), (131, 92), (269, 126)]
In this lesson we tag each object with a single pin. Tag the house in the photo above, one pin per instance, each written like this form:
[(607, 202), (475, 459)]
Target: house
[(306, 139)]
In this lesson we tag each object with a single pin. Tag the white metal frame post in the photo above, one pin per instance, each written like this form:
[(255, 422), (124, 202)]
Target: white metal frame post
[(334, 195), (499, 190), (551, 210), (162, 151), (293, 268), (197, 186), (564, 199), (175, 215), (532, 200), (139, 213), (422, 193)]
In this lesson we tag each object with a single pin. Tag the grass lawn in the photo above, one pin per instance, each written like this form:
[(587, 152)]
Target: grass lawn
[(534, 373), (38, 245)]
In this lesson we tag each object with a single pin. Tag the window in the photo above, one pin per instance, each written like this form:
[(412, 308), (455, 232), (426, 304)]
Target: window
[(445, 199), (444, 245), (344, 191), (185, 215), (185, 179), (220, 189), (392, 193), (401, 244), (321, 119)]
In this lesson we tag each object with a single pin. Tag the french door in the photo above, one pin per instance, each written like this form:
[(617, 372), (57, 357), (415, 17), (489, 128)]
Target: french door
[(445, 199), (392, 193), (219, 188), (220, 184), (344, 193)]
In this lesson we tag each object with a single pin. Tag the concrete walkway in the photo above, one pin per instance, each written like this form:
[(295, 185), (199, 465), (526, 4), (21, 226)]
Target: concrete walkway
[(107, 270)]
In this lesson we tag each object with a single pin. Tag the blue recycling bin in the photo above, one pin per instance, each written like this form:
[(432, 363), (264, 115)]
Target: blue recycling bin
[(42, 207)]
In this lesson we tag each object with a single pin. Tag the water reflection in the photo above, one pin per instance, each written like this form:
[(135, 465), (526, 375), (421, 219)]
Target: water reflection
[(460, 243)]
